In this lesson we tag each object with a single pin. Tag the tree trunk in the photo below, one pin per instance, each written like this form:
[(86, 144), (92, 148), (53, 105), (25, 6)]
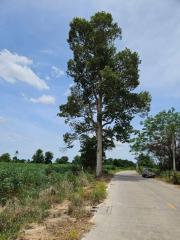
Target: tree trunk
[(174, 152), (99, 138)]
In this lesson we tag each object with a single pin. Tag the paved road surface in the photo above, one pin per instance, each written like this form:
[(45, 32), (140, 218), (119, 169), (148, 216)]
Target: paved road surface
[(138, 209)]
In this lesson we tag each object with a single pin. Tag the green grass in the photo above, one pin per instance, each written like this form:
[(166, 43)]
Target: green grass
[(99, 192), (170, 177), (111, 169), (28, 190)]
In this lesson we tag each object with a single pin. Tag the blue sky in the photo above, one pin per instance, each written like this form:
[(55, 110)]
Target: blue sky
[(34, 53)]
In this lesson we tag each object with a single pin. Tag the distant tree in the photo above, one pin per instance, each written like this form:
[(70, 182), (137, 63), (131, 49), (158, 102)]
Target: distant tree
[(5, 157), (144, 161), (15, 158), (88, 152), (22, 160), (160, 138), (103, 100), (62, 160), (38, 157), (77, 160), (16, 153), (88, 148), (122, 163), (108, 161), (48, 157)]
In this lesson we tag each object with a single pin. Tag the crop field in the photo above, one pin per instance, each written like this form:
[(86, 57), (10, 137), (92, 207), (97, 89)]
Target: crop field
[(17, 180), (27, 191)]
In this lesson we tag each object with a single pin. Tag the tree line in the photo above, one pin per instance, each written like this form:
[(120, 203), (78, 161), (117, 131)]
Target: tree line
[(38, 157), (86, 159)]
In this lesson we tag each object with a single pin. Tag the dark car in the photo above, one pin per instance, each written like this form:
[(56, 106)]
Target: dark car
[(148, 173)]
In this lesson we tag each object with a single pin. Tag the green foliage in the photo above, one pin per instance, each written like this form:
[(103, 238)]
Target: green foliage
[(99, 192), (15, 177), (88, 152), (48, 157), (144, 161), (155, 138), (73, 234), (28, 190), (77, 160), (119, 163), (62, 160), (170, 176), (102, 97), (38, 157), (5, 157), (88, 149), (112, 166)]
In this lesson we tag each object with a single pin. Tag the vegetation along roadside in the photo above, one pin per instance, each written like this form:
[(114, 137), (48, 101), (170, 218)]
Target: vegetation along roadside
[(50, 199)]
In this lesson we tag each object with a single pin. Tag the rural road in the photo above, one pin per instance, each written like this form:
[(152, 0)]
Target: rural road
[(137, 209)]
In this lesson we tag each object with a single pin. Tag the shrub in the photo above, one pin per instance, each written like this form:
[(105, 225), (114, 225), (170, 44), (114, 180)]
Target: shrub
[(73, 234), (99, 192)]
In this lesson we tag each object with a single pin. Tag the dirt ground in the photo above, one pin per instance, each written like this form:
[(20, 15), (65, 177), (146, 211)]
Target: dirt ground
[(58, 226)]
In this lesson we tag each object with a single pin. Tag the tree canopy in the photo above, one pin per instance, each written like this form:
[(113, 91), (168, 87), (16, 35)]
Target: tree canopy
[(48, 157), (38, 157), (103, 98), (62, 160), (5, 157), (157, 137)]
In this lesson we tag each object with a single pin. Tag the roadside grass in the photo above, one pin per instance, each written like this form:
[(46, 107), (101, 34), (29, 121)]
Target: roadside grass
[(170, 177), (28, 191), (98, 193), (165, 175)]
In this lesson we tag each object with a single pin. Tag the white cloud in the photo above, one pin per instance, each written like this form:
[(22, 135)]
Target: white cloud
[(14, 67), (2, 119), (44, 99), (56, 72)]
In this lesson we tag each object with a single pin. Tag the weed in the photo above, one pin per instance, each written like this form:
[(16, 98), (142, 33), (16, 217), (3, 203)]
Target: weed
[(73, 234), (98, 193)]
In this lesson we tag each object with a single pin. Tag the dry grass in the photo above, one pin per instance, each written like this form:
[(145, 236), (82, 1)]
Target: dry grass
[(60, 211), (68, 220)]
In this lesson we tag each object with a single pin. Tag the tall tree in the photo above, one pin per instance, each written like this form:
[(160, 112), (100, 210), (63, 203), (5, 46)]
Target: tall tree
[(38, 157), (48, 157), (102, 100)]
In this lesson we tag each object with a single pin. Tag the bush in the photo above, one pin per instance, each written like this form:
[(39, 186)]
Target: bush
[(73, 234), (99, 192), (76, 207)]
